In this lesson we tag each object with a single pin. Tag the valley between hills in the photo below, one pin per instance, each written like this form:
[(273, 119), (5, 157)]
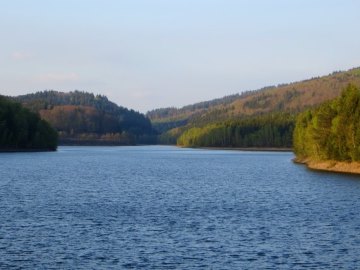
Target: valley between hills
[(267, 118)]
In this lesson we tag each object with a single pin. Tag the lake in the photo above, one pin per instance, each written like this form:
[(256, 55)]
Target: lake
[(162, 207)]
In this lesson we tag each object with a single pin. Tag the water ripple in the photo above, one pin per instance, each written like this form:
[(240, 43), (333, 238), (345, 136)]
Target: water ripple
[(168, 208)]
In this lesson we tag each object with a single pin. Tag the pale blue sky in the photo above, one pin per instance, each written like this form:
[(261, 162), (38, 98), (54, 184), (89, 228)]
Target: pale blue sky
[(145, 54)]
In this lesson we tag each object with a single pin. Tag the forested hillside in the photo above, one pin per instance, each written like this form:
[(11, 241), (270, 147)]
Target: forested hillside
[(261, 118), (269, 131), (175, 114), (332, 131), (293, 98), (196, 123), (21, 129), (85, 118)]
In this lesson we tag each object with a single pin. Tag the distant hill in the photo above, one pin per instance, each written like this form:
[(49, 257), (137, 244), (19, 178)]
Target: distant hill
[(85, 118), (292, 97), (23, 130)]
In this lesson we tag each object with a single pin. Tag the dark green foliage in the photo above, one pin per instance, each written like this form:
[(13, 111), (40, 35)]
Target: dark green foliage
[(21, 129), (274, 130), (171, 136), (332, 131), (163, 127)]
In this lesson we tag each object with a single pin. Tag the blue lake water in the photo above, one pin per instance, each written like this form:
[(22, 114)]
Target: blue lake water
[(160, 207)]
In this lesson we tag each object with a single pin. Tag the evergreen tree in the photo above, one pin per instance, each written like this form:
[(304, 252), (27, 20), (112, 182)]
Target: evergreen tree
[(21, 129), (331, 131)]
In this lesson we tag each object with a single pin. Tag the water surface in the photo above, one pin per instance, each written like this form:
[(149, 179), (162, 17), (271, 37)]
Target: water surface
[(156, 207)]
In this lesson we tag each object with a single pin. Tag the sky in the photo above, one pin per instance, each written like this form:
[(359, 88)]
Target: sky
[(147, 54)]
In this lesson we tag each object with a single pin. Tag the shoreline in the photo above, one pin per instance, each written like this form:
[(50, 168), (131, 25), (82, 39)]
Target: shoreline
[(24, 150), (330, 166), (248, 149)]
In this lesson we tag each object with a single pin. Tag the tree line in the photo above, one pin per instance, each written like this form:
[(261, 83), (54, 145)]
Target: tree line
[(332, 131), (272, 130)]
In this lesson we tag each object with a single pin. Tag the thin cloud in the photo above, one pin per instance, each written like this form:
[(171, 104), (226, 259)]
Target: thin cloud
[(140, 94), (20, 55), (57, 77)]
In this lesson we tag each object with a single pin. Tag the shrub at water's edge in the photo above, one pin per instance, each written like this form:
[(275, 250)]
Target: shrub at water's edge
[(22, 130), (330, 132)]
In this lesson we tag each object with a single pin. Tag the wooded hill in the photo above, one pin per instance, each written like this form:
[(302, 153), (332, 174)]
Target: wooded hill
[(85, 118), (268, 131), (287, 99), (22, 130), (331, 131), (292, 97)]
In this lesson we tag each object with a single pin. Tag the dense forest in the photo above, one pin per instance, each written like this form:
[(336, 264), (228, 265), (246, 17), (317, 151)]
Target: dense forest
[(332, 131), (21, 129), (85, 118), (273, 130)]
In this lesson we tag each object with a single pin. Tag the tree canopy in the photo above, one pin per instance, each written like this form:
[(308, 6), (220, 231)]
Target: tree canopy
[(332, 131), (21, 129), (273, 130), (85, 118)]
